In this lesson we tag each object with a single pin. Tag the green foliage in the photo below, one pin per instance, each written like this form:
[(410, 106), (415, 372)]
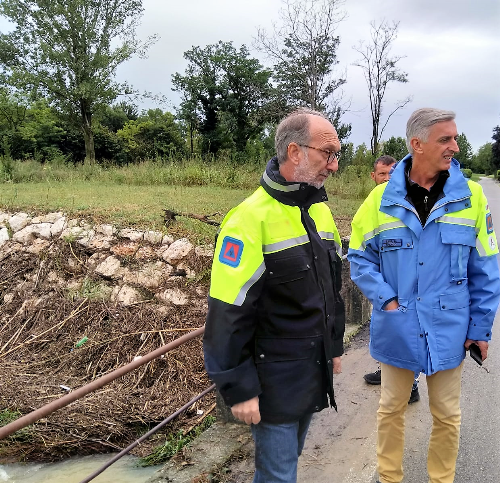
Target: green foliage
[(136, 195), (6, 163), (465, 154), (303, 48), (395, 147), (495, 148), (89, 289), (498, 175), (8, 416), (220, 172), (354, 182), (223, 96), (363, 157), (482, 161), (174, 443), (36, 133), (466, 172), (69, 52), (153, 135), (116, 116)]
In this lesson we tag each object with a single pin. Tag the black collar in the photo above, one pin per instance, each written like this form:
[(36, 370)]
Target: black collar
[(438, 185), (289, 193)]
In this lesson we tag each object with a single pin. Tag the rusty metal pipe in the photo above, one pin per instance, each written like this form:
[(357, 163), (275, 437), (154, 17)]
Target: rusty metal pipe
[(145, 436), (94, 385)]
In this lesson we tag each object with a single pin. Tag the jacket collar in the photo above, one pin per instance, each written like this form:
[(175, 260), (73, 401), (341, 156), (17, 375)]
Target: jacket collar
[(289, 192), (455, 188)]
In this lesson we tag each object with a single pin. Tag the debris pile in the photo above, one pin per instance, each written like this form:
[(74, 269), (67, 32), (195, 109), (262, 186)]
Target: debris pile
[(79, 301)]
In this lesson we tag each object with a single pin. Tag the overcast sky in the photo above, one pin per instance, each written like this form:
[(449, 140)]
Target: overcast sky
[(452, 51)]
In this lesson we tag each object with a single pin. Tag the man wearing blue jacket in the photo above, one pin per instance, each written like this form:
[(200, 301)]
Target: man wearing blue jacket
[(423, 250)]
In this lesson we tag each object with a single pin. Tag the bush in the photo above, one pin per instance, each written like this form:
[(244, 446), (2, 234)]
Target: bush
[(466, 172), (498, 175)]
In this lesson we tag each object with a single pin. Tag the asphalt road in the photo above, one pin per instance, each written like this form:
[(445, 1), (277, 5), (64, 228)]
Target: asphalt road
[(340, 447)]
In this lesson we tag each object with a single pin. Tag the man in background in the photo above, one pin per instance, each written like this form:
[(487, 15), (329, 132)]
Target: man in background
[(275, 323), (382, 170)]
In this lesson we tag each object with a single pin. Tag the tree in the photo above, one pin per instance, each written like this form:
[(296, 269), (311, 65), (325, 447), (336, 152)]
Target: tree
[(495, 148), (465, 153), (115, 117), (379, 70), (224, 93), (482, 160), (68, 51), (304, 52), (395, 147), (28, 129), (154, 134)]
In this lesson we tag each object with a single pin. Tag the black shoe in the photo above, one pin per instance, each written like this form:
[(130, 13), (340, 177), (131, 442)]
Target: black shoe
[(414, 396), (373, 378)]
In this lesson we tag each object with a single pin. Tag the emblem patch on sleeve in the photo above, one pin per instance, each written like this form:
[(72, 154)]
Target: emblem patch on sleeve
[(489, 223), (230, 253)]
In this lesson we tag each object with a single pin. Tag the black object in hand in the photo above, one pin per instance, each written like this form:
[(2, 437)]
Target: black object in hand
[(475, 353)]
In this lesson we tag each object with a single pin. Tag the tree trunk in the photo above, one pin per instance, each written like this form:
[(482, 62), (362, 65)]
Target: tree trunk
[(87, 133)]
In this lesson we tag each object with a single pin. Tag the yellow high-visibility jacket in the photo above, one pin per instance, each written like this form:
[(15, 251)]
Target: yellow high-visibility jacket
[(275, 316)]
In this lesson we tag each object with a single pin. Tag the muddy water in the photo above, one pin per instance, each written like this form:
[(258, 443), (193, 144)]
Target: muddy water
[(76, 469)]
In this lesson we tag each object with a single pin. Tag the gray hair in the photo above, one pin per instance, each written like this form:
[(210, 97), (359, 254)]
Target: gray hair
[(420, 122), (294, 128)]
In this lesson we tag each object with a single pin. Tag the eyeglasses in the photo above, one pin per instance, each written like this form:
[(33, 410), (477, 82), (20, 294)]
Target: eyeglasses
[(331, 154)]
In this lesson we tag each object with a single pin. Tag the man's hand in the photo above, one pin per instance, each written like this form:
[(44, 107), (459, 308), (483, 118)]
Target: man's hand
[(247, 411), (482, 344), (392, 305), (337, 365)]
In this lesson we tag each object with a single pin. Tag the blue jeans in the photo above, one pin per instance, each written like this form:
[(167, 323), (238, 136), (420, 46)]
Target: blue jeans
[(277, 450)]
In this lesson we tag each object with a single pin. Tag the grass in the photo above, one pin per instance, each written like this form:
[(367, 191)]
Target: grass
[(90, 289), (136, 196), (7, 416), (125, 205), (174, 443)]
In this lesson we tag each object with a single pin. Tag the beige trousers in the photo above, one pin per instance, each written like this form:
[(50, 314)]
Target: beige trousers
[(444, 389)]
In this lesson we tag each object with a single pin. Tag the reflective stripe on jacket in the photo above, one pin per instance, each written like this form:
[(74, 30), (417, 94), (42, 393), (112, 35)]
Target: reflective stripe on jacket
[(444, 275), (275, 315)]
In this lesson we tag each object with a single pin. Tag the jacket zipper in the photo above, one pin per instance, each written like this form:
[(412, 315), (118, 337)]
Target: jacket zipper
[(435, 207), (451, 201)]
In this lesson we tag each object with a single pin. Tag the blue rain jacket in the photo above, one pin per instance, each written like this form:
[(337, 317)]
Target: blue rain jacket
[(444, 275)]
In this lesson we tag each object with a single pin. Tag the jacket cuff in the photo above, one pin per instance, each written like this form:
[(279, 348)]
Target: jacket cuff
[(338, 347), (239, 384), (478, 333), (385, 295)]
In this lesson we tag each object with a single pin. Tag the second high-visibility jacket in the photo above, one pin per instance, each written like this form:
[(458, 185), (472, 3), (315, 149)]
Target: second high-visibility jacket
[(444, 274), (275, 317)]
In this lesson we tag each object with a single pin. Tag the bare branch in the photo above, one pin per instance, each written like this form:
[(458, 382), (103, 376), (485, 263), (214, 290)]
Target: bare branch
[(379, 70)]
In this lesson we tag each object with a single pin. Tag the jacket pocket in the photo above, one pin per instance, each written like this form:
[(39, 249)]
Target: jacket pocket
[(451, 321), (292, 375), (394, 334), (459, 240), (396, 254), (288, 269), (286, 349)]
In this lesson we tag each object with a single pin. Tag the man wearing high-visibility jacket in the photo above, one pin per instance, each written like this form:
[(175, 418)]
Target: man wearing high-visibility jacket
[(275, 324), (423, 250)]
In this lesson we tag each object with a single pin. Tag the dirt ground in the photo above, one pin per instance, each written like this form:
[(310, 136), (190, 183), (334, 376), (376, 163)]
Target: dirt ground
[(40, 326)]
